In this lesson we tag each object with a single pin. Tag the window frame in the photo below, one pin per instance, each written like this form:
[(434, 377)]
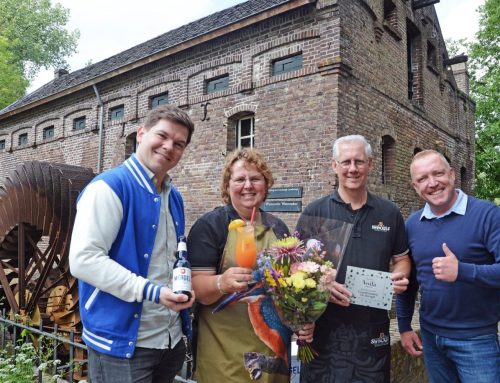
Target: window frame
[(391, 18), (130, 144), (115, 110), (223, 80), (50, 128), (78, 121), (414, 63), (431, 56), (251, 136), (22, 137), (286, 61), (3, 144), (153, 104)]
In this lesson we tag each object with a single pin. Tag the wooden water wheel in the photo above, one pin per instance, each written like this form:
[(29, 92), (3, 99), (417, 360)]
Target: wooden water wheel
[(37, 211)]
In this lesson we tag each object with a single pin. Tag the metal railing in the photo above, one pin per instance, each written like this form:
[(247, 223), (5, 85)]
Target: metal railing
[(15, 325), (69, 367)]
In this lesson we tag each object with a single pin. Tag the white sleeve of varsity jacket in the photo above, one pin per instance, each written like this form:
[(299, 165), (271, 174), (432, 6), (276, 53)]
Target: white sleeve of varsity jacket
[(97, 222)]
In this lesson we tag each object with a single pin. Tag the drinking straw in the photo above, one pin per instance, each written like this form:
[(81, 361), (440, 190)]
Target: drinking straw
[(253, 216)]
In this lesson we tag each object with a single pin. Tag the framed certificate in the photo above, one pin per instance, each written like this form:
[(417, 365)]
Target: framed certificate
[(369, 287)]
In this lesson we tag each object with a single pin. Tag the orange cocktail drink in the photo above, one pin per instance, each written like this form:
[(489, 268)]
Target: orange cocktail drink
[(246, 251)]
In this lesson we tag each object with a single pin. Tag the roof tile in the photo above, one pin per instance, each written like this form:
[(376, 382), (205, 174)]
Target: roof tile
[(165, 41)]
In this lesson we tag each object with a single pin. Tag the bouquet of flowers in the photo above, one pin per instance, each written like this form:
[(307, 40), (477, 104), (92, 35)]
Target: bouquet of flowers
[(298, 279)]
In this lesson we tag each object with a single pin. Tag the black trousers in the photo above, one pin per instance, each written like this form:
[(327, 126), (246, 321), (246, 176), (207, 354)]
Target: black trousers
[(350, 352)]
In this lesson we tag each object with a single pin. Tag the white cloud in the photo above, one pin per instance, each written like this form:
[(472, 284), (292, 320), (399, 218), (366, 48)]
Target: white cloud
[(458, 18), (108, 27)]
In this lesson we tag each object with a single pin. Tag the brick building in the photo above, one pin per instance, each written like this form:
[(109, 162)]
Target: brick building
[(286, 76)]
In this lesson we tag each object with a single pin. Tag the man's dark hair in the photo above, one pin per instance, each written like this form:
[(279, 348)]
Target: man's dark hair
[(170, 113)]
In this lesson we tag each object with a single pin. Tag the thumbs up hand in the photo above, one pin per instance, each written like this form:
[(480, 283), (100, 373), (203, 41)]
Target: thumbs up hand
[(445, 268)]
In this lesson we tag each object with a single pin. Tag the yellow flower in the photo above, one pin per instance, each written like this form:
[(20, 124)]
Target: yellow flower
[(299, 284), (298, 275), (304, 299), (287, 242), (310, 283), (289, 281), (282, 282), (269, 279)]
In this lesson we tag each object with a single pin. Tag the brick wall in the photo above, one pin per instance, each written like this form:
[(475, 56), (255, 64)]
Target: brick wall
[(353, 80)]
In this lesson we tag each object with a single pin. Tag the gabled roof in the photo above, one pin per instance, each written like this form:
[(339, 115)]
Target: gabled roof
[(64, 84)]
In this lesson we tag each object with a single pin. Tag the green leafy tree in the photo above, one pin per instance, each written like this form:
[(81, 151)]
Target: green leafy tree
[(484, 68), (12, 80), (485, 89), (36, 37), (457, 47)]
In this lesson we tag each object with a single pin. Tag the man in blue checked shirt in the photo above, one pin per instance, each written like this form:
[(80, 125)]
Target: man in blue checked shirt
[(122, 251)]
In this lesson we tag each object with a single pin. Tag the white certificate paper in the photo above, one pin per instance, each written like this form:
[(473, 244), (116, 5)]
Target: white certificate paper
[(369, 287)]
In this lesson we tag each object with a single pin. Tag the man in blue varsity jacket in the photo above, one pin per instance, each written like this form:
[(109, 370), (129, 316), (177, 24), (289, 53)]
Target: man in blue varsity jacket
[(455, 245), (122, 251)]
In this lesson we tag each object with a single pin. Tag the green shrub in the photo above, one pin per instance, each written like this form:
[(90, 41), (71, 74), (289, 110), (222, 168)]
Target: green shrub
[(22, 368), (29, 360)]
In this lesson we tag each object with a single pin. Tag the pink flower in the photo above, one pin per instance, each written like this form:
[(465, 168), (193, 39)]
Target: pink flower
[(307, 267), (325, 269), (327, 279), (295, 267)]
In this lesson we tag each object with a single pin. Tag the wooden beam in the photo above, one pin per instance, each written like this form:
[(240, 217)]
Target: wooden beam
[(417, 4), (21, 257), (456, 60), (8, 291)]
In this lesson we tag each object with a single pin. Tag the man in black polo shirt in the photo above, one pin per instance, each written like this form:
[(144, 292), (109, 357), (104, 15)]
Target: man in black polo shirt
[(353, 341)]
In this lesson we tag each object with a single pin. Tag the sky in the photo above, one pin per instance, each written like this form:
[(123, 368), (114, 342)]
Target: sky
[(108, 27)]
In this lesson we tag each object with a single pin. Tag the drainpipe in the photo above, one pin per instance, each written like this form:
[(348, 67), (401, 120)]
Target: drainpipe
[(101, 112)]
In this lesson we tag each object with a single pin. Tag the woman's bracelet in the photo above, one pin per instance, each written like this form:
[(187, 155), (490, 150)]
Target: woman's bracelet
[(219, 286)]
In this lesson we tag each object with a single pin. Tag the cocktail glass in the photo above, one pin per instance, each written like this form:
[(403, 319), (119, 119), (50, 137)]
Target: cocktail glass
[(246, 251)]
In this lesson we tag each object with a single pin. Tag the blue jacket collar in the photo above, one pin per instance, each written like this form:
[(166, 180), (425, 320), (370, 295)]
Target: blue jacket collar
[(140, 174)]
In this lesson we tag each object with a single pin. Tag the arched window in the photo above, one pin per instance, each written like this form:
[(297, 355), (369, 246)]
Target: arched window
[(241, 131), (130, 144), (245, 132), (388, 158)]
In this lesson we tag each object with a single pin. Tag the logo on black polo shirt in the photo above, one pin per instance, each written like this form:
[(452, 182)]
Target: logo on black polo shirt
[(381, 227), (382, 340)]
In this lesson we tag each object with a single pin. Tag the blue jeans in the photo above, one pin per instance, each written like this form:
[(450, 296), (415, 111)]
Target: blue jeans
[(146, 366), (461, 360)]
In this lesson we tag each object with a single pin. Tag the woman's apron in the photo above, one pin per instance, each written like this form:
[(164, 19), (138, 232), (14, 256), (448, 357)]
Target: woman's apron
[(227, 339)]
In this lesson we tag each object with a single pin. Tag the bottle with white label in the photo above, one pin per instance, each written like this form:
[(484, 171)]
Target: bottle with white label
[(181, 283)]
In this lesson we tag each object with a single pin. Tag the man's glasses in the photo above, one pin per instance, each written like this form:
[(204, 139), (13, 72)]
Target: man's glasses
[(240, 181), (357, 163)]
